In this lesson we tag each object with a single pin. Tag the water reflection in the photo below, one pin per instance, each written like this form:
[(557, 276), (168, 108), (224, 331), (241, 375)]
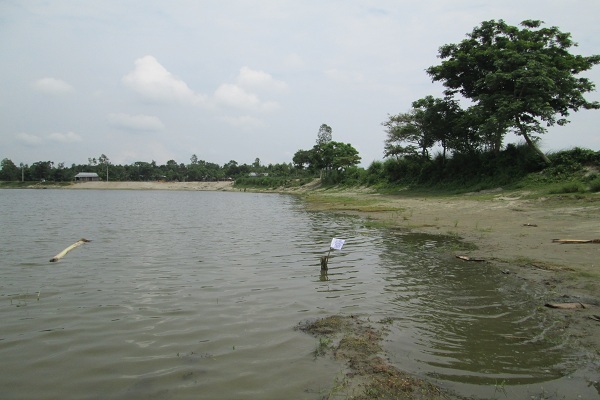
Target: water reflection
[(469, 322)]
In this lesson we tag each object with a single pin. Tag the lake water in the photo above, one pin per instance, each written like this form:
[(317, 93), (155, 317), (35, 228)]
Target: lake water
[(188, 295)]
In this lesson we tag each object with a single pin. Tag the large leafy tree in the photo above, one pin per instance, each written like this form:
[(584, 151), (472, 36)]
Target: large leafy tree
[(303, 159), (327, 155), (439, 120), (430, 121), (9, 171), (41, 170), (405, 136), (330, 156), (522, 79), (338, 156)]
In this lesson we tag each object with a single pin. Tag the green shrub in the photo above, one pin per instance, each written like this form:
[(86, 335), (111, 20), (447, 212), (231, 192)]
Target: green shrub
[(569, 187), (595, 185)]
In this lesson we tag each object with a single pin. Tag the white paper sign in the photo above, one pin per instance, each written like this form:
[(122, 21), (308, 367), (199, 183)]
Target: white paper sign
[(337, 244)]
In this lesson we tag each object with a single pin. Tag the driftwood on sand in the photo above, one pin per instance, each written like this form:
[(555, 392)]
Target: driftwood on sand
[(68, 249), (567, 306), (575, 241), (466, 258)]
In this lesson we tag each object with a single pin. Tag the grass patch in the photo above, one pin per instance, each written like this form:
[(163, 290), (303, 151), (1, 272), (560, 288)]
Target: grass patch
[(324, 326), (568, 187)]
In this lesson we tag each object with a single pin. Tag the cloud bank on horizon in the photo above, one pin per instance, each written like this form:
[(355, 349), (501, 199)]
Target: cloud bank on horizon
[(238, 79)]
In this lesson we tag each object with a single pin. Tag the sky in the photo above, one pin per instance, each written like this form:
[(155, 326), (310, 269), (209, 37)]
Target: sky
[(143, 80)]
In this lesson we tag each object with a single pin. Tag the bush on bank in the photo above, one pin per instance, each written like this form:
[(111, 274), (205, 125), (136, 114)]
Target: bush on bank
[(517, 166)]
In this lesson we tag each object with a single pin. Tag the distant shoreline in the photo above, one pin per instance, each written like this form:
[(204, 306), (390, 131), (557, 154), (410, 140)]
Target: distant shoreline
[(156, 185)]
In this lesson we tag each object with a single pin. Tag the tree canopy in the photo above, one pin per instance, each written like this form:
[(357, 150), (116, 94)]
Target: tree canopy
[(520, 79), (327, 155), (430, 121), (325, 134)]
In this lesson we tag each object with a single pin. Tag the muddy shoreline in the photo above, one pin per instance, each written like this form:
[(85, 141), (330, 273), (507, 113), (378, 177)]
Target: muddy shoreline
[(511, 232)]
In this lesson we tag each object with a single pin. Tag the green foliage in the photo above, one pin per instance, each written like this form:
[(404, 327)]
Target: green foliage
[(430, 121), (268, 182), (569, 187), (374, 173), (352, 176), (327, 155), (515, 165), (325, 134), (576, 156), (9, 171), (197, 170), (518, 78), (322, 347), (595, 185)]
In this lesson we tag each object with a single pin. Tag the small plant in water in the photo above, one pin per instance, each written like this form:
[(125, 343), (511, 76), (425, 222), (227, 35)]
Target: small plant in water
[(322, 346), (500, 387)]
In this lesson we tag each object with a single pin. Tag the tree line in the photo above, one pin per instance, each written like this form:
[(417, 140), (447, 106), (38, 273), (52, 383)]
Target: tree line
[(326, 157), (195, 170)]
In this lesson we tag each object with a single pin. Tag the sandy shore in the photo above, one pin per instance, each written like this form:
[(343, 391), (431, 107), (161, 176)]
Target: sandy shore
[(507, 229)]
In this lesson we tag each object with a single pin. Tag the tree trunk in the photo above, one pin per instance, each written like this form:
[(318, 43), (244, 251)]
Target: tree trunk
[(531, 143), (534, 147)]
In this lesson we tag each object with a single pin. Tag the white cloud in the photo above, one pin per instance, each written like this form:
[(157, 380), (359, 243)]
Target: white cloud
[(231, 95), (136, 122), (69, 137), (153, 82), (53, 86), (29, 139), (252, 79), (234, 96)]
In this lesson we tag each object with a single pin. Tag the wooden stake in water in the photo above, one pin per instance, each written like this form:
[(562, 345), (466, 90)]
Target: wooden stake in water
[(336, 244)]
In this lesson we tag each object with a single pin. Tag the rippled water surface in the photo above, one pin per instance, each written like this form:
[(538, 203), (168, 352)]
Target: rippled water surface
[(187, 295)]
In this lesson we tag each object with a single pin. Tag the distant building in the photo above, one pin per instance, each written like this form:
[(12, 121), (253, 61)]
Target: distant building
[(86, 177)]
